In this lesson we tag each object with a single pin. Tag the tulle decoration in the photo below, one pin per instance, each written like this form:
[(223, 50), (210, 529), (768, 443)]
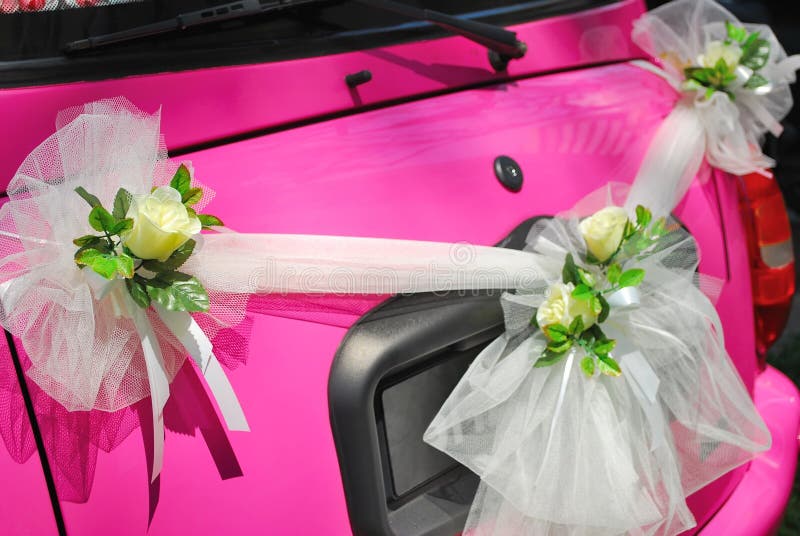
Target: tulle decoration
[(726, 131), (561, 454), (91, 348), (84, 352)]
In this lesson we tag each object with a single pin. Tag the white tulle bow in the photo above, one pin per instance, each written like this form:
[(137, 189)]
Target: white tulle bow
[(724, 130), (92, 348), (561, 453)]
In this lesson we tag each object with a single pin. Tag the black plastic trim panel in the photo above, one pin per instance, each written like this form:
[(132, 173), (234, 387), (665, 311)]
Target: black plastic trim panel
[(402, 337)]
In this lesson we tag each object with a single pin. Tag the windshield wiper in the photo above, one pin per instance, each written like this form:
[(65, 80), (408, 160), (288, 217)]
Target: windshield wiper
[(503, 42)]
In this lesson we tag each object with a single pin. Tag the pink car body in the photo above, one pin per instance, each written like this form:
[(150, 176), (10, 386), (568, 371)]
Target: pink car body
[(408, 155)]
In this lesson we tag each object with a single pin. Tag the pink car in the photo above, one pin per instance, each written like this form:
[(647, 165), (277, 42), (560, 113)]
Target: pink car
[(341, 118)]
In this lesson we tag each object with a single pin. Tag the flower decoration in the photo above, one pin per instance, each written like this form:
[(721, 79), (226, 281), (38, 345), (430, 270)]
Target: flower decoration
[(571, 315), (729, 63), (609, 380), (145, 239)]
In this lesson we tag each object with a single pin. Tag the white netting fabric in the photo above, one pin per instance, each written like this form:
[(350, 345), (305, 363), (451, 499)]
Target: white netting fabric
[(677, 33), (81, 354), (595, 459)]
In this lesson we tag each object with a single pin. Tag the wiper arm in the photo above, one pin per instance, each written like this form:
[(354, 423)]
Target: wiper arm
[(496, 38), (503, 42)]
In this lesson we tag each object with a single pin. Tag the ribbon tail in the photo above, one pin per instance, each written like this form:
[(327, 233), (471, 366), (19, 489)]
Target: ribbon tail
[(671, 162), (222, 391), (159, 385), (644, 384), (197, 344)]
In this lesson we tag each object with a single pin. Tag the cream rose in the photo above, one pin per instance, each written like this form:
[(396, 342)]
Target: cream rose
[(603, 231), (161, 224), (730, 53), (561, 308)]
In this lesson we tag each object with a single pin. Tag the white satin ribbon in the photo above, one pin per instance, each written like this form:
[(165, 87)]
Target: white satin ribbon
[(644, 383), (641, 377), (625, 297), (191, 336), (195, 342), (159, 384)]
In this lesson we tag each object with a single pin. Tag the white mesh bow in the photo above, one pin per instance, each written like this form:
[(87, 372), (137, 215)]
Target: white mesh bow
[(726, 130), (91, 347), (565, 455)]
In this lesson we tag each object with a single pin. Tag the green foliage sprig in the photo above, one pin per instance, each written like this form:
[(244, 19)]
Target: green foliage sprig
[(146, 280), (755, 55), (592, 287)]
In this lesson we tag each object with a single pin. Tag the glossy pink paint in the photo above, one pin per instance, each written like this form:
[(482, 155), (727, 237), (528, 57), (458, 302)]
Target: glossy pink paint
[(24, 488), (756, 506), (420, 170), (208, 104)]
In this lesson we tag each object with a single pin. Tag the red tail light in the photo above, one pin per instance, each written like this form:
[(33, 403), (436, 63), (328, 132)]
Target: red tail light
[(769, 244)]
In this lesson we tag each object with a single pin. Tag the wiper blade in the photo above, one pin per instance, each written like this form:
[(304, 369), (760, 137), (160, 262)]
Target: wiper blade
[(184, 21), (503, 42)]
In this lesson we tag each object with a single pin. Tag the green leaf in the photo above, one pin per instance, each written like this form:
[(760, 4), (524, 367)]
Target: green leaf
[(613, 274), (154, 282), (89, 198), (700, 74), (89, 240), (609, 366), (104, 264), (755, 52), (182, 180), (534, 322), (576, 326), (586, 277), (569, 274), (556, 332), (755, 81), (122, 202), (207, 220), (597, 333), (192, 196), (121, 226), (138, 292), (175, 261), (587, 336), (125, 266), (643, 216), (591, 259), (587, 366), (605, 308), (101, 220), (659, 228), (582, 292), (604, 347), (186, 295), (595, 304), (548, 359), (560, 347), (736, 33), (631, 278), (172, 277)]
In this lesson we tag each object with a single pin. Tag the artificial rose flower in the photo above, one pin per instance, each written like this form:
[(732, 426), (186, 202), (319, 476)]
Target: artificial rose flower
[(161, 224), (730, 53), (561, 308), (603, 231)]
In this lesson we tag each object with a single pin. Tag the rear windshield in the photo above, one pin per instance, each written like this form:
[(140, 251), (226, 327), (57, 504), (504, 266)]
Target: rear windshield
[(33, 33)]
